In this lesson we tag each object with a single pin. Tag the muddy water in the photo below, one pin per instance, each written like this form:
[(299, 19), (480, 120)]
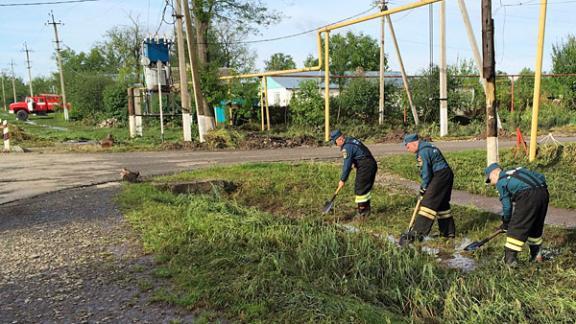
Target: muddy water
[(451, 260)]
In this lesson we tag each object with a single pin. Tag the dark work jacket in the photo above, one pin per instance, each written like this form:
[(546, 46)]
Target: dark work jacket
[(513, 181), (353, 151), (431, 160)]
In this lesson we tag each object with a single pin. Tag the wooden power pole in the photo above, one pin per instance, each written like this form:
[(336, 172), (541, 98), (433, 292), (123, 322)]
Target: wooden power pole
[(4, 93), (205, 121), (59, 58), (13, 80), (443, 73), (489, 72), (29, 68), (184, 95), (383, 7)]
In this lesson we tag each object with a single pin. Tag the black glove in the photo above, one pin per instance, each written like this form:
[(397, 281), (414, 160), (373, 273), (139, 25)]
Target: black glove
[(504, 226), (422, 192)]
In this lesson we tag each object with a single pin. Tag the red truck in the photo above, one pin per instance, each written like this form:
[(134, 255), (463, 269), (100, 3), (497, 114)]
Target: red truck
[(41, 104)]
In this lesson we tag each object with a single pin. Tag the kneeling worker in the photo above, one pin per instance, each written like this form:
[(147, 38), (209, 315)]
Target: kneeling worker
[(358, 155), (529, 192), (435, 190)]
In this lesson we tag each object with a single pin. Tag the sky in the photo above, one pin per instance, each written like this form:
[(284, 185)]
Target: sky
[(85, 24)]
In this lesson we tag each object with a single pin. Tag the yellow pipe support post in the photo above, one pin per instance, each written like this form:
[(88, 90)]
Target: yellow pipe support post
[(266, 102), (261, 104), (537, 80), (326, 87)]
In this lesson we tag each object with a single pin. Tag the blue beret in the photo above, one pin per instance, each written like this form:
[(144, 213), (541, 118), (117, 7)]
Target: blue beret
[(489, 170), (335, 134), (410, 138)]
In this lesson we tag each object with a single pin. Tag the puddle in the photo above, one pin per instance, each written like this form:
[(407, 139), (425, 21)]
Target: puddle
[(30, 122), (451, 260)]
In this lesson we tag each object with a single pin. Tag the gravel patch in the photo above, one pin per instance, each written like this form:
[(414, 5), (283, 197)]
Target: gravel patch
[(69, 257)]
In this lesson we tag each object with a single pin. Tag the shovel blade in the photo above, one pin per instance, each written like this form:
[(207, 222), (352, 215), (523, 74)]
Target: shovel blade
[(328, 206), (473, 246)]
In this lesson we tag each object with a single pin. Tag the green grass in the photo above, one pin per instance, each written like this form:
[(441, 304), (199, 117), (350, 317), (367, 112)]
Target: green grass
[(265, 254), (44, 135), (468, 166)]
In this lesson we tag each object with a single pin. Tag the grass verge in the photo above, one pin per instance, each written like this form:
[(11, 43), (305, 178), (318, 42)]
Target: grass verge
[(264, 254), (558, 164)]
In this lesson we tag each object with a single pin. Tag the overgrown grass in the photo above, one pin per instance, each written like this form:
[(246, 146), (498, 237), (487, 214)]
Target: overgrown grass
[(557, 164), (264, 254)]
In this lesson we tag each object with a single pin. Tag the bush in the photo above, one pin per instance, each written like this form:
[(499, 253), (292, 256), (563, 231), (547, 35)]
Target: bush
[(306, 106), (116, 101)]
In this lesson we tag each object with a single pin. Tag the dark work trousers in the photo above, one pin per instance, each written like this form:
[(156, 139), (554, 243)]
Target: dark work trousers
[(365, 175), (436, 205), (527, 221)]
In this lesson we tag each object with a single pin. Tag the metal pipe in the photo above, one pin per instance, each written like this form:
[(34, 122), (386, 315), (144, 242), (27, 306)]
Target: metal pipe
[(538, 79), (327, 87)]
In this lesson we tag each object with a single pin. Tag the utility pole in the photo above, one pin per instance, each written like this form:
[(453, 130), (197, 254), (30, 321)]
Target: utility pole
[(184, 95), (29, 68), (489, 72), (13, 80), (443, 73), (537, 79), (59, 58), (383, 7), (205, 121), (472, 41), (403, 71), (4, 93)]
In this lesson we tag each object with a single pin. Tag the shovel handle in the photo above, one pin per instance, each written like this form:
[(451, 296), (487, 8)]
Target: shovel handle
[(414, 214)]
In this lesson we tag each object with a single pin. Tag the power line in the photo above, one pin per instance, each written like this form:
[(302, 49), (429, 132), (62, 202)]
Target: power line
[(295, 34), (44, 3)]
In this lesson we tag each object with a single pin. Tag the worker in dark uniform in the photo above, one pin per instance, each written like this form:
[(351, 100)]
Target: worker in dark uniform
[(435, 191), (358, 155), (529, 193)]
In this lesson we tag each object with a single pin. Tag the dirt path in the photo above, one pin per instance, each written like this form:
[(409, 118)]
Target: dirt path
[(69, 257), (556, 216), (27, 175)]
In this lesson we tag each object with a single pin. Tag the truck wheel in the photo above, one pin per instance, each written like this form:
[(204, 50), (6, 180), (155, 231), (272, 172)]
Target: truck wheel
[(22, 115)]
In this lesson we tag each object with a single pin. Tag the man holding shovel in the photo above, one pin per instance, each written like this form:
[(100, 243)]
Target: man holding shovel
[(358, 155), (528, 191), (435, 191)]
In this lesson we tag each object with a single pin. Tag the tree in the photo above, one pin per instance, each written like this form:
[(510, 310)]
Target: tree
[(564, 61), (310, 61), (279, 62), (121, 50), (351, 51), (306, 106), (227, 50)]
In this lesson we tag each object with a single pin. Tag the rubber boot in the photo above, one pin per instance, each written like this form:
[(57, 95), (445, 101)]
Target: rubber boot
[(363, 209), (410, 237), (535, 255), (511, 258)]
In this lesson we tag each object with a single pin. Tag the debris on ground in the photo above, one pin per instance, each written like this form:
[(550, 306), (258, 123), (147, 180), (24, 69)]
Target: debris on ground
[(108, 123), (107, 142), (262, 141), (130, 176)]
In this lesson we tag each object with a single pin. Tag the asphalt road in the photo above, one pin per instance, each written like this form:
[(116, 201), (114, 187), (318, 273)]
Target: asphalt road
[(27, 175)]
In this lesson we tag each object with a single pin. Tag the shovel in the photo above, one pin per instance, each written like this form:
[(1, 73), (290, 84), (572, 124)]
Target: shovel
[(330, 203), (407, 235), (476, 245)]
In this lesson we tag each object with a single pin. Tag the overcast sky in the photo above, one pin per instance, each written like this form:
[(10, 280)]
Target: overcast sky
[(85, 24)]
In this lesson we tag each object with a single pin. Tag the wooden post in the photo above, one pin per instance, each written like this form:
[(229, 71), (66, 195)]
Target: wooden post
[(6, 133), (131, 119), (512, 95), (443, 73), (184, 95), (538, 79), (403, 72), (489, 72), (382, 58)]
